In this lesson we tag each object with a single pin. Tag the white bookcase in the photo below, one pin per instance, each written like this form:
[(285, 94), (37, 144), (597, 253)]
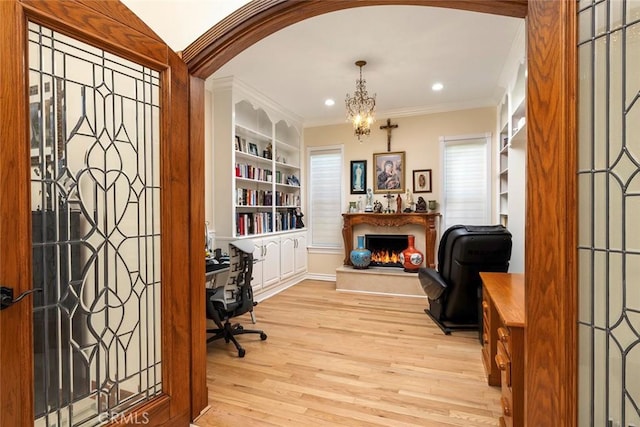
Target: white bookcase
[(257, 178), (512, 153)]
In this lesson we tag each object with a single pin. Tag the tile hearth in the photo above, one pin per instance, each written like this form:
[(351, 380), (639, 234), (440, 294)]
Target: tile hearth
[(379, 280)]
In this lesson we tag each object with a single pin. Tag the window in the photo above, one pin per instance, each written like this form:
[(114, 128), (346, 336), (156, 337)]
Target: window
[(325, 196), (466, 195)]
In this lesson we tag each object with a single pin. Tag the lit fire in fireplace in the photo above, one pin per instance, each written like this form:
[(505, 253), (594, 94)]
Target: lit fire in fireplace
[(385, 257)]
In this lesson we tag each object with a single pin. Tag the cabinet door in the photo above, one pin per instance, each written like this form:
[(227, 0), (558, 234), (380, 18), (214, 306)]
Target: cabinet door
[(258, 257), (301, 253), (287, 255), (271, 261)]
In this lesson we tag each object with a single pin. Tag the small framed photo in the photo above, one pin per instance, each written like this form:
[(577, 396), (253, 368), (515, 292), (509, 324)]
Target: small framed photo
[(422, 181), (253, 149), (389, 172), (237, 143), (358, 177)]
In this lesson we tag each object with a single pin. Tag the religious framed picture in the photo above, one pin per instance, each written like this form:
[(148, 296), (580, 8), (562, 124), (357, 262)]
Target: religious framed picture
[(422, 181), (253, 149), (358, 176), (389, 169)]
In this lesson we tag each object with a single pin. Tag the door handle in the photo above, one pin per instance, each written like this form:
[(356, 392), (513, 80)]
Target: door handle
[(6, 296)]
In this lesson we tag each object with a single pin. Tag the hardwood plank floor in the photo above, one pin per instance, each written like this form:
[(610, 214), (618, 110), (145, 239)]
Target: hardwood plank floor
[(345, 359)]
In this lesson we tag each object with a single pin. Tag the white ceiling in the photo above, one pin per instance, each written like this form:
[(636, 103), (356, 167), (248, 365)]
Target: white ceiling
[(407, 49)]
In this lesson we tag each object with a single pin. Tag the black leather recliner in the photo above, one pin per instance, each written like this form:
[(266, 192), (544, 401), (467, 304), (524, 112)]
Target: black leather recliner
[(455, 291)]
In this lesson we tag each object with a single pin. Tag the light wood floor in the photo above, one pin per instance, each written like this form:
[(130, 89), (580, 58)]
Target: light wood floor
[(345, 359)]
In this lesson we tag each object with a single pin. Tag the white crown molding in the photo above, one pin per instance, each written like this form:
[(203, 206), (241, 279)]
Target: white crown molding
[(410, 111)]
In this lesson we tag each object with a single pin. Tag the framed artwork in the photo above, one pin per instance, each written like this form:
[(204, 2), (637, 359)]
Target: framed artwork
[(422, 181), (358, 176), (389, 172), (253, 149), (237, 143)]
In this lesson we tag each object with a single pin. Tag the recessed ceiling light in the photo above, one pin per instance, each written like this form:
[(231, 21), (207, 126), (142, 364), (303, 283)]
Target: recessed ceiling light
[(329, 102), (437, 86)]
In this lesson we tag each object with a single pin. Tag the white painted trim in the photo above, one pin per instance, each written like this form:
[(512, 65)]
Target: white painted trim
[(386, 294), (323, 277)]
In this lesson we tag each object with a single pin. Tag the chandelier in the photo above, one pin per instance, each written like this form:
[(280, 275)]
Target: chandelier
[(360, 107)]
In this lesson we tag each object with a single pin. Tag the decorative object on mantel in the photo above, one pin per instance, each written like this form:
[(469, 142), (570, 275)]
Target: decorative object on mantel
[(361, 106), (377, 207), (409, 202), (411, 258), (360, 256), (433, 205), (421, 205), (369, 206), (399, 204), (389, 198)]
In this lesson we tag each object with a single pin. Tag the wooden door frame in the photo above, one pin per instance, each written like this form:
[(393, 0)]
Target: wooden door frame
[(550, 230), (110, 26)]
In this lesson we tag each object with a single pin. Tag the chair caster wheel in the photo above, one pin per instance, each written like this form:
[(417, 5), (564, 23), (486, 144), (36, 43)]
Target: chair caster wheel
[(263, 336), (239, 327), (241, 352)]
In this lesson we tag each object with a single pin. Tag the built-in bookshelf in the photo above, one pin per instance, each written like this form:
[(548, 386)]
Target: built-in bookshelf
[(257, 149), (512, 154)]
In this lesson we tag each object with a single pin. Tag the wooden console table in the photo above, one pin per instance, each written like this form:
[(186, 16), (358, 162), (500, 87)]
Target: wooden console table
[(427, 220), (503, 326)]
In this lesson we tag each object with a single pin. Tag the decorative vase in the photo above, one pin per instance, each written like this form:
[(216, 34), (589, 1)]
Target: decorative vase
[(360, 256), (411, 258)]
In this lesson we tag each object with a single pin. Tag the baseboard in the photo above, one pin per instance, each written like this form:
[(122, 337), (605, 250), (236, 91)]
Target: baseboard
[(322, 277)]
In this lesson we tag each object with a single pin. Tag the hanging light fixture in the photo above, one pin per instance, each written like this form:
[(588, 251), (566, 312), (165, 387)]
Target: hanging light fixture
[(361, 107)]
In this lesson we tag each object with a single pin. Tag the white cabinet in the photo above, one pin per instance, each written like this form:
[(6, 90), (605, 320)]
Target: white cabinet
[(266, 269), (300, 258), (287, 255), (256, 170), (293, 254)]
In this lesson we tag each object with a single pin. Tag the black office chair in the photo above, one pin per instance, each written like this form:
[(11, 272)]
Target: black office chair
[(455, 291), (233, 298)]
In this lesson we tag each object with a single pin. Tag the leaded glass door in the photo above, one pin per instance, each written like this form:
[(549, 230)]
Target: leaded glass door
[(88, 216)]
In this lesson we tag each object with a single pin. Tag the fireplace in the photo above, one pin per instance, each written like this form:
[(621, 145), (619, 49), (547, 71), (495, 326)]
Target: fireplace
[(385, 249)]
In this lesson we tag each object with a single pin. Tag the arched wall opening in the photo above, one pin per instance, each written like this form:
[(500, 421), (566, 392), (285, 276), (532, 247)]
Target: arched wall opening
[(551, 310)]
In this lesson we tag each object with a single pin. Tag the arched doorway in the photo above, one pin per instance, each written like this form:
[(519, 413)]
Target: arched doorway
[(550, 383)]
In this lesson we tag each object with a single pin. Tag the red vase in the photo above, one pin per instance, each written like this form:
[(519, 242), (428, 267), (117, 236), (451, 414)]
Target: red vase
[(411, 258)]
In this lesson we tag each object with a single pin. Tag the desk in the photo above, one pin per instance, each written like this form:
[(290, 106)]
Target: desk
[(212, 271), (503, 314)]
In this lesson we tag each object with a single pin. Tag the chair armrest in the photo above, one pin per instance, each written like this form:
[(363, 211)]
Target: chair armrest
[(432, 283)]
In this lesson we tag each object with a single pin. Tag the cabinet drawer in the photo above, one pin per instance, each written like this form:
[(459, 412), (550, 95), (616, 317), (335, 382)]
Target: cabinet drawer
[(504, 365), (504, 336), (506, 405)]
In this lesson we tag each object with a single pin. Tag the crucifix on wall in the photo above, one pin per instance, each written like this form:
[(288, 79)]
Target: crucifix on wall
[(389, 127)]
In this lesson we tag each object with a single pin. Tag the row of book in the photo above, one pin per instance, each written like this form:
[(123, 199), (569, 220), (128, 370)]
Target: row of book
[(253, 172), (286, 221), (253, 223), (261, 222), (251, 197)]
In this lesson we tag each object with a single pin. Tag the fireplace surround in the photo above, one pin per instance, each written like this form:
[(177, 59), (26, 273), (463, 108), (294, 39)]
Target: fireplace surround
[(390, 222)]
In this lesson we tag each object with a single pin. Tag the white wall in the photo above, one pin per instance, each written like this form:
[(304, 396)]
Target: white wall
[(417, 136)]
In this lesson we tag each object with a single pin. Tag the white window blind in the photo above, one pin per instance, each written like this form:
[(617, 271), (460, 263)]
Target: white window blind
[(466, 181), (325, 196)]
